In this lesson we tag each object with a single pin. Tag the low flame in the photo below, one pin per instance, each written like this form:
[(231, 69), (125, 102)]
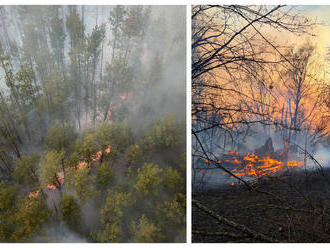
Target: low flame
[(122, 96), (252, 165), (255, 166), (97, 156), (108, 149), (34, 194), (51, 187), (81, 165)]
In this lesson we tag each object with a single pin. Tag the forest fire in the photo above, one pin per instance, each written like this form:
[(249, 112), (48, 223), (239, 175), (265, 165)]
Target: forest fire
[(252, 165), (81, 165), (34, 194), (255, 166), (124, 97)]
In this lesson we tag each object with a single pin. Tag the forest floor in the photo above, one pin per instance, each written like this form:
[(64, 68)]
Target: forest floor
[(287, 207)]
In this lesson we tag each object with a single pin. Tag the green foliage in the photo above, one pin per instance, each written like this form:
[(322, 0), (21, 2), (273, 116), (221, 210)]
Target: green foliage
[(120, 72), (74, 26), (88, 145), (135, 153), (7, 210), (94, 140), (145, 231), (7, 197), (82, 183), (167, 133), (26, 170), (111, 214), (70, 212), (51, 165), (175, 210), (25, 87), (119, 135), (181, 162), (174, 180), (103, 135), (73, 160), (57, 38), (31, 215), (116, 18), (104, 176), (60, 137), (59, 74), (94, 41), (120, 113), (155, 71), (148, 179), (135, 22)]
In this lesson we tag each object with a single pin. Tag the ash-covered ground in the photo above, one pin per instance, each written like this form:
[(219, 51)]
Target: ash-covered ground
[(285, 207)]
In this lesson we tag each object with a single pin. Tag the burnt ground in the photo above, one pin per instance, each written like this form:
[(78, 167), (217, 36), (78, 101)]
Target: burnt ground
[(287, 207)]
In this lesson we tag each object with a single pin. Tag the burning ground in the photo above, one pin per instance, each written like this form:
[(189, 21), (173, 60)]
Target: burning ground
[(263, 196), (291, 207)]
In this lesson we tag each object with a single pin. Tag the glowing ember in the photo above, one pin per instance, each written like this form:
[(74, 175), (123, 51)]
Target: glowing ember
[(122, 96), (231, 152), (97, 156), (34, 194), (294, 163), (236, 161), (51, 187), (60, 177), (82, 165), (108, 150)]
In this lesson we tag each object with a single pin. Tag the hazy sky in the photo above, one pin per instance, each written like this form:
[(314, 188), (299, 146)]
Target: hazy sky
[(321, 13)]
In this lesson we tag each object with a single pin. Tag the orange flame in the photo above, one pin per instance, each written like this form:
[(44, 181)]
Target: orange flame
[(81, 165), (34, 194), (233, 152), (122, 96), (252, 165), (255, 166), (51, 187), (108, 150)]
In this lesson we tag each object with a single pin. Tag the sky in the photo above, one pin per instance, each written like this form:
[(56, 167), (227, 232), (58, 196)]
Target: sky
[(322, 15)]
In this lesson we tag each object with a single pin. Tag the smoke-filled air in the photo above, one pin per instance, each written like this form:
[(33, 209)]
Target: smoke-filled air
[(260, 123), (92, 124)]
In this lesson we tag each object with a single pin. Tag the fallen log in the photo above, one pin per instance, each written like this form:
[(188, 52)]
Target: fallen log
[(242, 228)]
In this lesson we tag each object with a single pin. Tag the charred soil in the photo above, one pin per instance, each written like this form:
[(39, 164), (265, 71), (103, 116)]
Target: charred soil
[(286, 207)]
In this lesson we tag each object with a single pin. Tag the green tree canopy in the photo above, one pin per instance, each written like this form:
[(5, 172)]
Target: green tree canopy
[(148, 179), (70, 212), (51, 166), (60, 137), (145, 231), (111, 214), (31, 215), (26, 170)]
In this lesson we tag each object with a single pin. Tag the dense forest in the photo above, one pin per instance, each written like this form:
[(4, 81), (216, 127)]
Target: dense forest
[(92, 124)]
